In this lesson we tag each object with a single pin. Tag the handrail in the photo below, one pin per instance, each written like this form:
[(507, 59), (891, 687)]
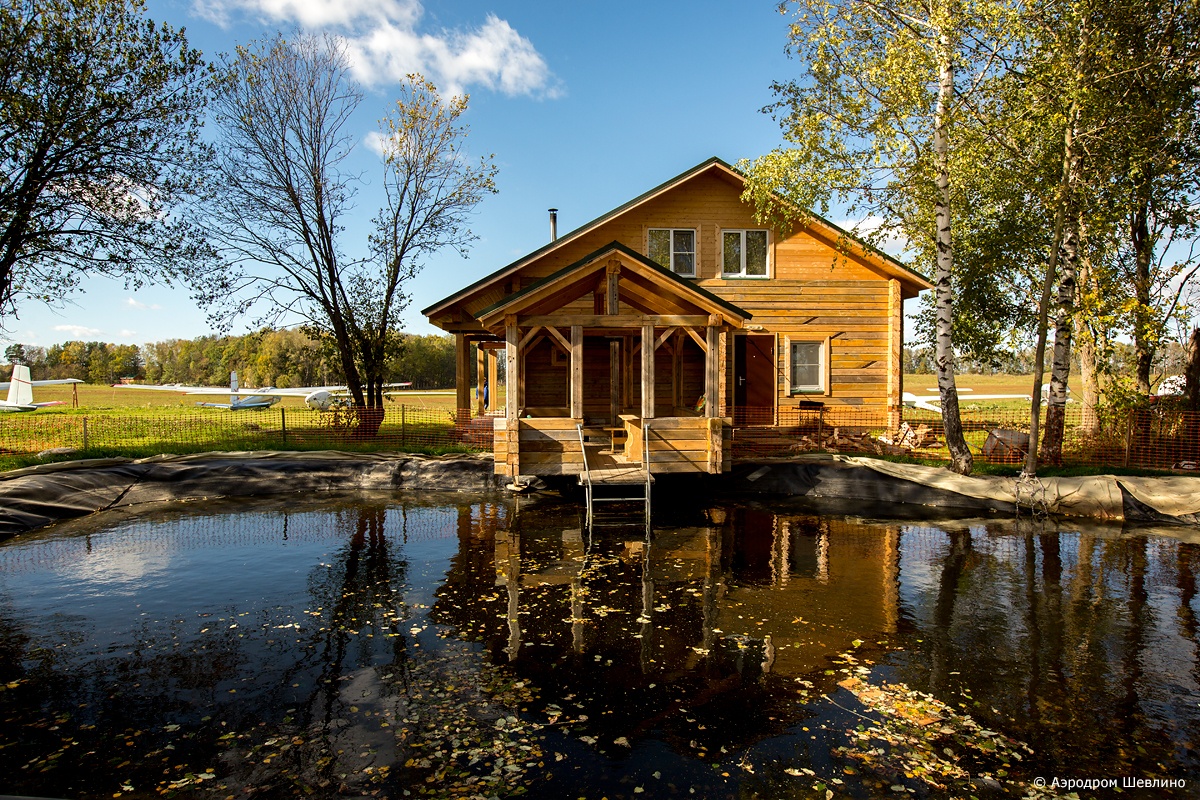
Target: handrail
[(587, 473), (646, 463)]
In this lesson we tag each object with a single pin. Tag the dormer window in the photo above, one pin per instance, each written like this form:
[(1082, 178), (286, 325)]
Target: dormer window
[(673, 248)]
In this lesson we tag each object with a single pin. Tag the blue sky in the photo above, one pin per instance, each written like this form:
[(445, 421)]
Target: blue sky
[(585, 105)]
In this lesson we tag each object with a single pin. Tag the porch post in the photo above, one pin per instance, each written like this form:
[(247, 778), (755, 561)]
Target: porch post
[(895, 359), (493, 377), (612, 305), (512, 375), (462, 374), (648, 371), (480, 379), (677, 398), (577, 371), (712, 373)]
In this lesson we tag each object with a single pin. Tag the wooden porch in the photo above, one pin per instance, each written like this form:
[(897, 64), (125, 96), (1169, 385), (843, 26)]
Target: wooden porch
[(615, 346), (551, 445)]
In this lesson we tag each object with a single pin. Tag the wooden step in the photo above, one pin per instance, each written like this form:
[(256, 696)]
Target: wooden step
[(617, 476)]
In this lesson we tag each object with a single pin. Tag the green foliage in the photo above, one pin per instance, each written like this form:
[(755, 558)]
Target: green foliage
[(101, 150)]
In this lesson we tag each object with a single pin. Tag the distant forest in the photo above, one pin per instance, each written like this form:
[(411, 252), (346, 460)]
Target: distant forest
[(281, 358)]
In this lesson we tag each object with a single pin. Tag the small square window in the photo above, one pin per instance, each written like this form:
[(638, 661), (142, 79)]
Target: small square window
[(673, 248), (808, 366), (744, 253)]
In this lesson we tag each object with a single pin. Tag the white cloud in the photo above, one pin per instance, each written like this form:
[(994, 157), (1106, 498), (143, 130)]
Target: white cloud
[(127, 334), (79, 331), (312, 13), (374, 141), (133, 303), (385, 43)]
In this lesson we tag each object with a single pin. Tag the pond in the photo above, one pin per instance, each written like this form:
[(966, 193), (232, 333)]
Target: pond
[(447, 646)]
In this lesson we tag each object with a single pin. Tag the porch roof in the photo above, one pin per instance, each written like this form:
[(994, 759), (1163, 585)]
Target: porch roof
[(644, 285)]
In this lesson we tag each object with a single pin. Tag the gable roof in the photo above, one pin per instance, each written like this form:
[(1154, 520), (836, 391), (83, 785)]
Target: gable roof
[(665, 278), (881, 259)]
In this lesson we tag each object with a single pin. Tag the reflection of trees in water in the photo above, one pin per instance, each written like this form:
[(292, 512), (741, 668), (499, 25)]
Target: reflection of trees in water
[(250, 681), (352, 672), (1056, 631)]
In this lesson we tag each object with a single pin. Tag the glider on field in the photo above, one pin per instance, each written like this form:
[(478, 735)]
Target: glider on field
[(928, 402), (20, 390), (318, 398)]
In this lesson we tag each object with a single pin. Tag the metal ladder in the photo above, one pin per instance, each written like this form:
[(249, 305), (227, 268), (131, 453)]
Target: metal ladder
[(585, 480)]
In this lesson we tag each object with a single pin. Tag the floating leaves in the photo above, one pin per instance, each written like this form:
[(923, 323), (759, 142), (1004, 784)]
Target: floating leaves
[(919, 738)]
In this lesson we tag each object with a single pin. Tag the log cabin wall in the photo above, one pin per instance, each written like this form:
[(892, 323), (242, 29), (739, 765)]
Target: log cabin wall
[(546, 377), (814, 292)]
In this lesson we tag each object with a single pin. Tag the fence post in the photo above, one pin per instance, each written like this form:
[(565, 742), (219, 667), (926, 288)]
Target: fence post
[(403, 423), (283, 423), (85, 441), (1128, 434)]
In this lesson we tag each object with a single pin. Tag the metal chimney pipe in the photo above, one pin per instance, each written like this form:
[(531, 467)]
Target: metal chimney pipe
[(553, 224)]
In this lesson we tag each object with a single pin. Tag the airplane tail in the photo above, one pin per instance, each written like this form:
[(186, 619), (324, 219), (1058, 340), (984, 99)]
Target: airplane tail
[(20, 389)]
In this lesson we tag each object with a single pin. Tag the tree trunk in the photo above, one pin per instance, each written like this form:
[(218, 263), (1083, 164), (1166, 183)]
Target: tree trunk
[(1069, 165), (960, 455), (1192, 394), (1192, 376), (1143, 255), (1089, 424), (1060, 371)]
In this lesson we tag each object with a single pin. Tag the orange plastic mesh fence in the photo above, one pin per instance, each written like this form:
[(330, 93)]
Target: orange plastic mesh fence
[(1159, 437)]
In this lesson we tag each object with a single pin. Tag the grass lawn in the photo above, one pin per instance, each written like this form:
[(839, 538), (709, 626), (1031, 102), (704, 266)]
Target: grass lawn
[(142, 422), (109, 399)]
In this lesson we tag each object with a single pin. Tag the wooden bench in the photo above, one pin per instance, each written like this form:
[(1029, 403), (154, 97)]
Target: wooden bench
[(617, 436)]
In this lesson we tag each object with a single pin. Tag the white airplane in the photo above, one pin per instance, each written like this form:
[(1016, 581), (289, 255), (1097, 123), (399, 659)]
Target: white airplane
[(318, 398), (928, 402), (20, 390)]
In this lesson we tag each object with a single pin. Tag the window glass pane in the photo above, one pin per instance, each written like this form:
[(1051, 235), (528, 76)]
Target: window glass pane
[(806, 365), (732, 259), (660, 246), (685, 241), (685, 252), (756, 252)]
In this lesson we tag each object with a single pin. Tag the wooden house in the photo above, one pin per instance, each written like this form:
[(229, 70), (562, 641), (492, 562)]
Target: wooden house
[(672, 317)]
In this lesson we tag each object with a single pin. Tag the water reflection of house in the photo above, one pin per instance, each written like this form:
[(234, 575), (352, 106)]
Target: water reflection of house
[(793, 590), (813, 584)]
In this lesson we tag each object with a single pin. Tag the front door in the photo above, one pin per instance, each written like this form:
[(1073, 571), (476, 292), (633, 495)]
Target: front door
[(754, 379)]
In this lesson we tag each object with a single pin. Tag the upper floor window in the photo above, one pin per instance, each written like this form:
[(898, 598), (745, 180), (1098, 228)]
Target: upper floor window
[(744, 253), (674, 248)]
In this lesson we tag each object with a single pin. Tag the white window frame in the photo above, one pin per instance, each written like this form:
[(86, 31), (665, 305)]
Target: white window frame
[(671, 237), (823, 370), (742, 274)]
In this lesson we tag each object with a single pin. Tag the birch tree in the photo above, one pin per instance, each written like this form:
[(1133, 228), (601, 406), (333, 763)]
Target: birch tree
[(871, 123)]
